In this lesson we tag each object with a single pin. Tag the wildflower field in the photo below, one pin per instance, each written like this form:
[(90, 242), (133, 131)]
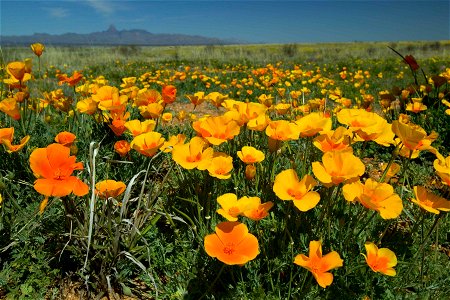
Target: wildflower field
[(225, 172)]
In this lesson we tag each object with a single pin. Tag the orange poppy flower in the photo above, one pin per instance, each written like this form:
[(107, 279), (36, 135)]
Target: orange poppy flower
[(195, 154), (216, 98), (429, 201), (146, 97), (14, 148), (287, 186), (174, 140), (282, 130), (381, 260), (368, 126), (109, 188), (54, 166), (17, 70), (337, 167), (220, 166), (313, 123), (72, 80), (6, 134), (245, 113), (250, 155), (137, 127), (376, 196), (87, 106), (260, 211), (65, 138), (10, 107), (217, 130), (147, 143), (108, 98), (37, 48), (334, 140), (122, 147), (442, 167), (232, 244), (231, 207), (197, 98), (413, 138), (151, 111), (319, 265), (169, 94), (118, 122)]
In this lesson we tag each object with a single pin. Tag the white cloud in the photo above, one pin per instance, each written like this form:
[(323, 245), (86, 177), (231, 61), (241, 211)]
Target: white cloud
[(104, 7), (57, 12)]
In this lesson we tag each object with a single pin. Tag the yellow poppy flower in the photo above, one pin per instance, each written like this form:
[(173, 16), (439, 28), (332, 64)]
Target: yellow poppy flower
[(220, 166), (287, 186), (195, 154), (147, 143), (250, 155), (381, 260), (313, 123), (429, 201)]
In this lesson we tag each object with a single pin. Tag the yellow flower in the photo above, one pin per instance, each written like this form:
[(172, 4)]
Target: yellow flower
[(197, 98), (442, 167), (109, 188), (231, 207), (10, 107), (319, 265), (220, 166), (195, 154), (287, 186), (147, 143), (108, 98), (376, 196), (217, 130), (381, 260), (137, 127), (260, 211), (87, 106), (413, 138), (151, 111), (429, 201), (283, 130), (37, 48), (334, 140), (313, 123), (337, 167), (173, 141), (368, 126), (250, 155)]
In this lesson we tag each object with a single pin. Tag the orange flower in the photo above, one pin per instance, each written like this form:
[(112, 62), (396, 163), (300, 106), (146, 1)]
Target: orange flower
[(334, 140), (260, 211), (54, 167), (220, 166), (118, 122), (197, 98), (319, 265), (413, 138), (65, 138), (368, 126), (6, 134), (122, 147), (195, 154), (313, 123), (250, 113), (137, 127), (87, 106), (37, 48), (109, 188), (146, 97), (375, 195), (151, 111), (217, 130), (442, 167), (147, 143), (231, 207), (287, 186), (72, 80), (169, 94), (173, 141), (337, 167), (250, 155), (216, 98), (380, 260), (232, 244), (17, 70), (429, 201), (14, 148), (283, 130), (108, 98), (10, 107)]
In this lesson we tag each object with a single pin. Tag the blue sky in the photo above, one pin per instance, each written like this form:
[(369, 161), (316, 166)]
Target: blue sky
[(251, 21)]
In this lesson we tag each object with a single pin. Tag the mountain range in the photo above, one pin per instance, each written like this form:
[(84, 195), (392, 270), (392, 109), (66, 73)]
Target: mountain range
[(112, 36)]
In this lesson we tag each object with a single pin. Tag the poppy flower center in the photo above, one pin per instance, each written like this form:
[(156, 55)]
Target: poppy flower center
[(229, 249), (249, 158), (295, 194)]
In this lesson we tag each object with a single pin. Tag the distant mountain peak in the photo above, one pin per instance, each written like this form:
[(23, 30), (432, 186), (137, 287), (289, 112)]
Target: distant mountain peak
[(112, 29)]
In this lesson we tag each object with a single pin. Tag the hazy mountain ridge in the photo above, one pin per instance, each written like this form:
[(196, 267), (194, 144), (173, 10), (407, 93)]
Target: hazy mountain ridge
[(112, 36)]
